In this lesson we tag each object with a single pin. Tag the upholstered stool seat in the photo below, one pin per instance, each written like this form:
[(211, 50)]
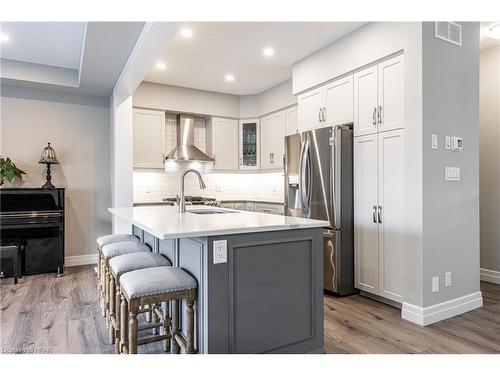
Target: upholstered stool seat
[(136, 261), (120, 248), (153, 286), (102, 241), (153, 281), (112, 238), (118, 266)]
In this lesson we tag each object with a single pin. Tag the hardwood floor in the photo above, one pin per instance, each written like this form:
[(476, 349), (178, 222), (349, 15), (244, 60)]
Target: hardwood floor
[(46, 314)]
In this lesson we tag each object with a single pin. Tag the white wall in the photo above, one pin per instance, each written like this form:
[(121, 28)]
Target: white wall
[(489, 104), (364, 46), (451, 209), (78, 129), (181, 99), (270, 100)]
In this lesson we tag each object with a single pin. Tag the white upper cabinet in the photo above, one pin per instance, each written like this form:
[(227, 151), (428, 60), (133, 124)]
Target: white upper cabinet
[(292, 121), (365, 101), (339, 101), (331, 104), (310, 109), (249, 144), (148, 138), (391, 94), (379, 97), (224, 143), (272, 141)]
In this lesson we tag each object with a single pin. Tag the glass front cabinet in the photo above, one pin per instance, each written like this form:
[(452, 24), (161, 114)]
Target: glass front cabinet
[(249, 144)]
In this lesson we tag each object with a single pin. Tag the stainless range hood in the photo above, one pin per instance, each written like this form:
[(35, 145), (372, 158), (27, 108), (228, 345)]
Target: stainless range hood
[(186, 151)]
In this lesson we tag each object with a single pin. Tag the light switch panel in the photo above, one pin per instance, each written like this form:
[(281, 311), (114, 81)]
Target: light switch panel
[(434, 141), (447, 142), (452, 174)]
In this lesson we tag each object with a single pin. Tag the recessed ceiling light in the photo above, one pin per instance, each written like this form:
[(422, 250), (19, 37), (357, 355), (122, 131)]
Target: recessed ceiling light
[(268, 51), (229, 77), (4, 38), (492, 31), (161, 65), (187, 33)]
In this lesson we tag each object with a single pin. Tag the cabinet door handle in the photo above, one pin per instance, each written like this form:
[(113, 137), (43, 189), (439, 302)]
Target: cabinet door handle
[(319, 115), (380, 214), (163, 158), (324, 114), (374, 116), (379, 114), (374, 214)]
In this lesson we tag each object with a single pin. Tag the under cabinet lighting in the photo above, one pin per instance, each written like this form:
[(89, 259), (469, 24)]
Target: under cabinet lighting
[(229, 77)]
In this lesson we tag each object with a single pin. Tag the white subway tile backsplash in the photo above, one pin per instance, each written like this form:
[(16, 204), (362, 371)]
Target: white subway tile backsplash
[(248, 186)]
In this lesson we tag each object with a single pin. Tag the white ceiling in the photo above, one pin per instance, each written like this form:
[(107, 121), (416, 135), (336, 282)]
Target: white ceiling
[(486, 42), (46, 55), (218, 48), (48, 43)]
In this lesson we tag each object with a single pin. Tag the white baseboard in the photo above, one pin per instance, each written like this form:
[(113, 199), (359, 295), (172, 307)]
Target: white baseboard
[(79, 260), (441, 311), (490, 276)]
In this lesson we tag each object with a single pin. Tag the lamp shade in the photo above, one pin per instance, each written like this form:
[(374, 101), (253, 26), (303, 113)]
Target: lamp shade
[(48, 156)]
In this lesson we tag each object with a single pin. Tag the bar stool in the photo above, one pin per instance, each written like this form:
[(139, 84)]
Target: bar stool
[(118, 266), (111, 251), (154, 286), (102, 241)]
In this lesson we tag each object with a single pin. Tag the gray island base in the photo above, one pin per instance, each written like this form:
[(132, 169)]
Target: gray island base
[(267, 297)]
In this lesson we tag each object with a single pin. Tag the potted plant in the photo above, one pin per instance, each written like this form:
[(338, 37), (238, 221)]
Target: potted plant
[(9, 171)]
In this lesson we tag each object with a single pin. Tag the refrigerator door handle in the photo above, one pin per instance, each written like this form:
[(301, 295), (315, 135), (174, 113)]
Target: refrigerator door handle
[(375, 214), (380, 214), (336, 176), (305, 178), (302, 186)]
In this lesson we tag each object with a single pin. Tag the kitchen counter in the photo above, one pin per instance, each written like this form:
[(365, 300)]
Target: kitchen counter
[(165, 222), (259, 276)]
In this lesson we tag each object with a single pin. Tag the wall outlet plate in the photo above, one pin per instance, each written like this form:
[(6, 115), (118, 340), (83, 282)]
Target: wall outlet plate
[(220, 251), (435, 284)]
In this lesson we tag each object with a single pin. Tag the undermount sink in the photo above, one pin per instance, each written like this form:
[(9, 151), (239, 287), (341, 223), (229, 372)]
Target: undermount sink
[(211, 212)]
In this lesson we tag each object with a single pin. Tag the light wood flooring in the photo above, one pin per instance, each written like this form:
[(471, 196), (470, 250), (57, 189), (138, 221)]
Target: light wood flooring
[(61, 315)]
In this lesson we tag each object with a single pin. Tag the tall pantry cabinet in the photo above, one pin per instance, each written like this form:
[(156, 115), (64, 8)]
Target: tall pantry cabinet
[(379, 178)]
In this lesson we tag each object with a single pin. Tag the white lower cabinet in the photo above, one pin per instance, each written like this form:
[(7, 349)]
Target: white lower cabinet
[(379, 213)]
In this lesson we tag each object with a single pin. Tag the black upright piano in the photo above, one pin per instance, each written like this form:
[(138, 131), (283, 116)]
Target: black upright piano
[(34, 217)]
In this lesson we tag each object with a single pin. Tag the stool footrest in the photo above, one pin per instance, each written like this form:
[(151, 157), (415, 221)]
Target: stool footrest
[(150, 339), (144, 327)]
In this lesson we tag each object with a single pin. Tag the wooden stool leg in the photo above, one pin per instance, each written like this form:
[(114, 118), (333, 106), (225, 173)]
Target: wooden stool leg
[(112, 298), (148, 313), (132, 327), (118, 298), (98, 266), (106, 296), (154, 318), (175, 326), (190, 324), (123, 324), (166, 326), (101, 288)]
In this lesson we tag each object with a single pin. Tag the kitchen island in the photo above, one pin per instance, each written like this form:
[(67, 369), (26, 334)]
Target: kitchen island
[(260, 276)]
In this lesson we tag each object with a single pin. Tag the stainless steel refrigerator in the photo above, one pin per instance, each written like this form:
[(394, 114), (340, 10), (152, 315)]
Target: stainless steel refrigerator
[(319, 185)]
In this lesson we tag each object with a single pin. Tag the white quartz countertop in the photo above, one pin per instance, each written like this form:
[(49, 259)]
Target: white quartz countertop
[(166, 222)]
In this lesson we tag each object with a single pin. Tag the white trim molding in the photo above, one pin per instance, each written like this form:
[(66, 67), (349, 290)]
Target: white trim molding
[(80, 260), (490, 276), (441, 311)]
